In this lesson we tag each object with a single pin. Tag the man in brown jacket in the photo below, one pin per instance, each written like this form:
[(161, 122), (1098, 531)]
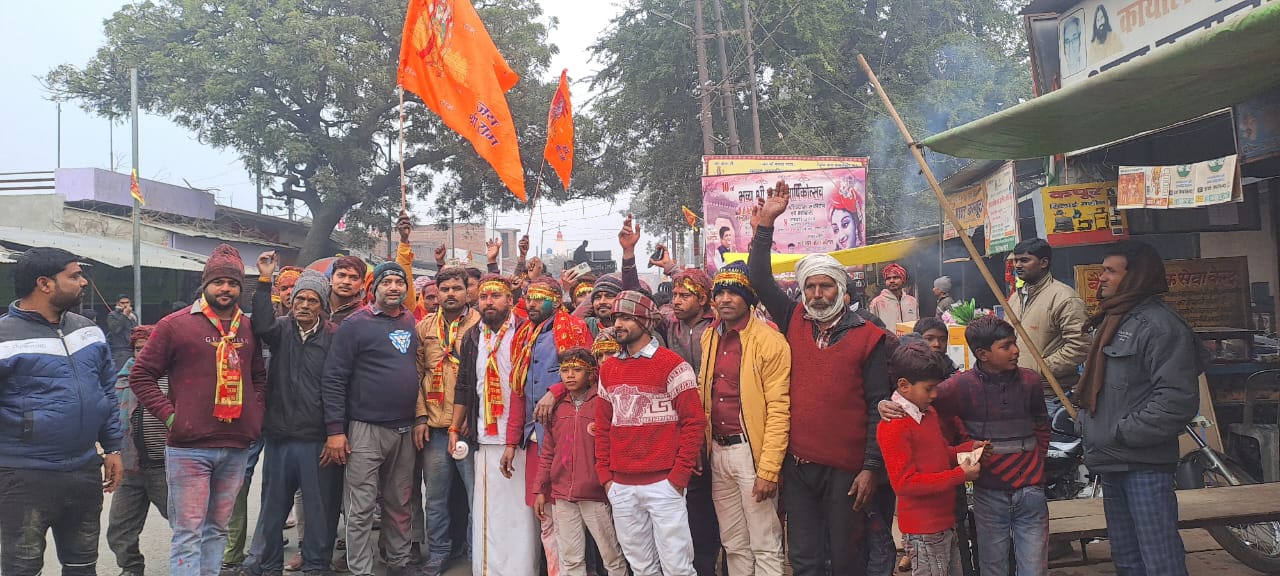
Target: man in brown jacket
[(1052, 313)]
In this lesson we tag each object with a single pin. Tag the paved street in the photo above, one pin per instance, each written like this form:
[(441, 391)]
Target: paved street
[(1204, 556)]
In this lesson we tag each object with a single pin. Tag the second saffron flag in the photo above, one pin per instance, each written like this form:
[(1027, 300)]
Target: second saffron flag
[(559, 150), (448, 59)]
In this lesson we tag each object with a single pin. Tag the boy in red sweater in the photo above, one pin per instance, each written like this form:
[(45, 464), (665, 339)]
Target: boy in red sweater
[(567, 472), (649, 431), (922, 466)]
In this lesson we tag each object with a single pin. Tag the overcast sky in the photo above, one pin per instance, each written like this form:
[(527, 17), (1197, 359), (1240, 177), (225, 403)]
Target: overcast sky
[(37, 36)]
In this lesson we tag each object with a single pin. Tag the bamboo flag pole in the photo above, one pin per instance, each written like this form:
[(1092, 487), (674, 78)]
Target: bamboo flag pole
[(537, 187), (403, 184), (968, 243)]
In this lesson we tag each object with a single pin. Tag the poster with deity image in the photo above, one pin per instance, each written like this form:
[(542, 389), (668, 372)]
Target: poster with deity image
[(827, 211)]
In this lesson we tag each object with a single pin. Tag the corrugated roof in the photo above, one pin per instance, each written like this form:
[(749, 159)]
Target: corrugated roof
[(113, 252)]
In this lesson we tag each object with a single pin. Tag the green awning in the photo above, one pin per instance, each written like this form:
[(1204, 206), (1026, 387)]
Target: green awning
[(1205, 72)]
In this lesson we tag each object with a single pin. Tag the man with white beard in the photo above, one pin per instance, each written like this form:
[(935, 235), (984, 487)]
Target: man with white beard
[(839, 372)]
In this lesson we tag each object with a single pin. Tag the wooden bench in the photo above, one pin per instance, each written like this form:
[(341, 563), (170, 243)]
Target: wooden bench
[(1201, 508)]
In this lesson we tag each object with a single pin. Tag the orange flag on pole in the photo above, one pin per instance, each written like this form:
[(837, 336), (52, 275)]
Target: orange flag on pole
[(135, 190), (559, 150), (690, 217), (448, 59)]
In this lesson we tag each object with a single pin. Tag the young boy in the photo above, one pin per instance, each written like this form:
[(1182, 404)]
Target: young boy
[(937, 335), (922, 465), (1003, 404), (567, 474)]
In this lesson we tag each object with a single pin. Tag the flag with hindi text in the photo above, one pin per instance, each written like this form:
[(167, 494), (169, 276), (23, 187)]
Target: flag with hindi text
[(448, 59), (559, 150)]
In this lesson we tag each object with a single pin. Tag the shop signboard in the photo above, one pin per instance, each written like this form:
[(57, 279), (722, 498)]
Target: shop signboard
[(1208, 292), (1002, 210), (826, 212), (1097, 35), (1080, 214), (970, 207), (729, 165)]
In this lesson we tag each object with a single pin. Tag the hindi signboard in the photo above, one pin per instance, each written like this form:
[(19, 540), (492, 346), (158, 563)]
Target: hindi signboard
[(1097, 35), (1080, 214), (1208, 292), (1002, 210), (970, 207), (730, 165), (826, 211), (1180, 186)]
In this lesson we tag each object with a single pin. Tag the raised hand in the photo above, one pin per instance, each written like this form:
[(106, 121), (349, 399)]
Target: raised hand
[(523, 245), (404, 225), (266, 264), (441, 252), (492, 248), (666, 262), (768, 209), (629, 236)]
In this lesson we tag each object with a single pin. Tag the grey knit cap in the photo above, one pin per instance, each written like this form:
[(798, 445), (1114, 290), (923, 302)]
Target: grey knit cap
[(315, 282)]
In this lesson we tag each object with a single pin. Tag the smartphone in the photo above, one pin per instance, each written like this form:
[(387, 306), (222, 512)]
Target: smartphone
[(657, 255), (581, 269)]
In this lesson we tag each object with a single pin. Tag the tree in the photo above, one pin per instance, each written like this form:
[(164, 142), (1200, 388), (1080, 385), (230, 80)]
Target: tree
[(944, 62), (305, 92)]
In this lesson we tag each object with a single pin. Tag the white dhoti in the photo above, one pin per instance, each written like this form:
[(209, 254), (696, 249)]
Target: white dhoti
[(504, 530)]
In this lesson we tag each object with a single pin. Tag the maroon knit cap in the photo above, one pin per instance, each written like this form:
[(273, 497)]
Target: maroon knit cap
[(141, 332), (693, 278), (225, 262)]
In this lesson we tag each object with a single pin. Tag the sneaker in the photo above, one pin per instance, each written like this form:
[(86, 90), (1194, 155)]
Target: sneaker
[(341, 544), (233, 570), (339, 564), (295, 562)]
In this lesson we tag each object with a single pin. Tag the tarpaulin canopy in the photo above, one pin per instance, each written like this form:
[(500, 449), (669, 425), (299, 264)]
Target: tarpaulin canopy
[(1201, 73), (873, 254)]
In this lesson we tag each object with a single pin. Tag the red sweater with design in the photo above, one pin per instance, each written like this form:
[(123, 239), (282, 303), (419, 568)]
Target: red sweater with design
[(650, 424), (923, 472)]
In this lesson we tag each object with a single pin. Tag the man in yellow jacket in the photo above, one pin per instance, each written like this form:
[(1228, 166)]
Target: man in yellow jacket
[(745, 383), (1052, 313)]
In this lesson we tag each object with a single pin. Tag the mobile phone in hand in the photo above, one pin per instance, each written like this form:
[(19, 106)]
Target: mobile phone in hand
[(581, 269), (657, 255)]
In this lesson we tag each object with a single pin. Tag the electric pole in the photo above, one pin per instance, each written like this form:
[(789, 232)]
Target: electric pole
[(137, 206), (751, 76), (726, 86), (704, 80)]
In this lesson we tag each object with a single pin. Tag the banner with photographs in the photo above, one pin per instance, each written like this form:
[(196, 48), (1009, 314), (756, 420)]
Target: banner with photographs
[(1180, 186), (1081, 214)]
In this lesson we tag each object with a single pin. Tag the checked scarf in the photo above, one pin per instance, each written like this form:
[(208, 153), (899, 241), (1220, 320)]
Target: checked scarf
[(493, 405), (568, 332), (447, 332), (229, 397)]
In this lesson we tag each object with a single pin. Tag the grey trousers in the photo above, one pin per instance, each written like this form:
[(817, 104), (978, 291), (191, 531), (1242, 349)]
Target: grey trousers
[(380, 463), (129, 507)]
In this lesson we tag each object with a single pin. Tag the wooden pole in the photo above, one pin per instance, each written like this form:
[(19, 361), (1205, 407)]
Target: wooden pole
[(968, 243), (533, 202)]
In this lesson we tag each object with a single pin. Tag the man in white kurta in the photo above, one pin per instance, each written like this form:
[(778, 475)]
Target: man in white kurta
[(504, 533)]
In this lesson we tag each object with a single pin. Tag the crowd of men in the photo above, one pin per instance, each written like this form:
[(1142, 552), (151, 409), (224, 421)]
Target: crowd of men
[(594, 429)]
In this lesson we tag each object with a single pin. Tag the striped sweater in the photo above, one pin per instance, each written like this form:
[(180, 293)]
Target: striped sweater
[(1007, 409)]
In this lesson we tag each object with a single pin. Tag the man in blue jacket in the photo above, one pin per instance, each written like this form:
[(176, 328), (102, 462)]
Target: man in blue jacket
[(57, 399)]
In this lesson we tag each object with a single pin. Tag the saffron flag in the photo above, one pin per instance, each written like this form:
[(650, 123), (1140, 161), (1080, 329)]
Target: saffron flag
[(448, 59), (690, 217), (135, 190), (559, 150)]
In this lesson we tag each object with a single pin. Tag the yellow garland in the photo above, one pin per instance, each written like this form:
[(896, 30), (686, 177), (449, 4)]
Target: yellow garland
[(583, 289), (693, 287), (733, 277), (495, 286), (576, 363), (541, 293)]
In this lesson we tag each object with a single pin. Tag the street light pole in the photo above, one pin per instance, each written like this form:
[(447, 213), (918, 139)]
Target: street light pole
[(137, 207)]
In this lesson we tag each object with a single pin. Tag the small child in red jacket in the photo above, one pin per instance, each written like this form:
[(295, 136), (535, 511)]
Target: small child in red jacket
[(921, 465), (567, 475)]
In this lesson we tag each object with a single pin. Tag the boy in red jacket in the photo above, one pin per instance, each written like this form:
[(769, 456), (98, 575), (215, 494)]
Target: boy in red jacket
[(567, 473), (922, 467)]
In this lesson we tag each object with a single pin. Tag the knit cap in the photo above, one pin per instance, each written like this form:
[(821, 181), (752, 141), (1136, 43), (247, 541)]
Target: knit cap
[(693, 280), (315, 282), (609, 284), (943, 283), (385, 269), (733, 277), (633, 303), (225, 262)]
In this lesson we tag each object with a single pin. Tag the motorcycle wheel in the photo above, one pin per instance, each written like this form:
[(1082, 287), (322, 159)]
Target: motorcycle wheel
[(1254, 545)]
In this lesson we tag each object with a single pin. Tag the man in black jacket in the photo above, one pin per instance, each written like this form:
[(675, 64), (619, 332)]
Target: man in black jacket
[(294, 424)]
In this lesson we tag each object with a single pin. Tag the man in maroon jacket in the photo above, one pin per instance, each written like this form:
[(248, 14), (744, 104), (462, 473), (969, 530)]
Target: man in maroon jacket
[(214, 409), (839, 371)]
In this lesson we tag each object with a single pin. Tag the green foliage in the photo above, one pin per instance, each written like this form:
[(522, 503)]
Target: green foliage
[(944, 62), (305, 92), (962, 312)]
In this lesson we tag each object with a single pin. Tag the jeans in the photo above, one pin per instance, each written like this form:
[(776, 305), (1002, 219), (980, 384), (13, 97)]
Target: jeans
[(934, 554), (1012, 518), (288, 467), (1142, 523), (437, 473), (238, 529), (203, 484), (35, 502), (129, 507), (822, 526)]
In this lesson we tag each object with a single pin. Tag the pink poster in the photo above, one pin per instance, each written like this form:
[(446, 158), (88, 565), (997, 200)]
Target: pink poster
[(826, 213)]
